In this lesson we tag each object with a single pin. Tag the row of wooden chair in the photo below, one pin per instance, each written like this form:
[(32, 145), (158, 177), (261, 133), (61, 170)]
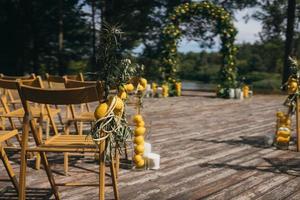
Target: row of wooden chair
[(37, 104)]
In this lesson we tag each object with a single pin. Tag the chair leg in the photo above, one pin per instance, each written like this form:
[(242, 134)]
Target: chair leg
[(40, 135), (9, 169), (117, 164), (50, 175), (101, 170), (80, 128), (22, 178), (47, 128), (59, 116), (23, 165), (66, 163), (114, 179), (38, 162)]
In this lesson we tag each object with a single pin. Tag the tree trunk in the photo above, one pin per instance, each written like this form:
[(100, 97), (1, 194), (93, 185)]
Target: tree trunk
[(289, 38), (22, 37), (61, 65), (93, 34)]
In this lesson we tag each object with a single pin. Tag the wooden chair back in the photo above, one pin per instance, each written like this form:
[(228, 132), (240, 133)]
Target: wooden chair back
[(9, 92), (60, 96), (69, 83), (61, 79), (31, 76), (8, 85), (13, 85)]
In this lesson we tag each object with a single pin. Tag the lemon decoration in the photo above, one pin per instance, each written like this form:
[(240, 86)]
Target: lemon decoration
[(119, 104), (140, 164), (139, 131), (137, 118), (137, 158), (139, 140), (143, 82), (279, 114), (139, 149), (122, 95), (101, 110), (141, 88), (129, 87), (140, 124), (292, 86), (283, 139)]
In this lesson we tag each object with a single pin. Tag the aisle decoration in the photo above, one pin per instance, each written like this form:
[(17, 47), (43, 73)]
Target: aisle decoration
[(139, 141), (143, 157), (224, 26), (111, 124), (283, 127)]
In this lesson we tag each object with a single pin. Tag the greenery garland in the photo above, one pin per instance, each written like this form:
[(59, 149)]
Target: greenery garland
[(224, 27), (292, 86)]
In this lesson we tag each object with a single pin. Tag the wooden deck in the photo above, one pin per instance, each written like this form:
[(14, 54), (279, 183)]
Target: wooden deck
[(210, 149)]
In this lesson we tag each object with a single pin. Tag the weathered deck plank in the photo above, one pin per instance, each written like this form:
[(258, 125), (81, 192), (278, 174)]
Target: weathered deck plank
[(210, 149)]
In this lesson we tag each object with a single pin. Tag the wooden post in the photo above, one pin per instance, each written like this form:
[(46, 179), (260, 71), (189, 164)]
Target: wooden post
[(298, 123), (102, 170)]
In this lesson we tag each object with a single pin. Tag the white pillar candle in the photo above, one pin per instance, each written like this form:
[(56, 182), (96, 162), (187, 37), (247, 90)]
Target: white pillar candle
[(153, 160), (148, 148), (148, 90), (237, 92), (241, 96), (159, 90), (231, 93)]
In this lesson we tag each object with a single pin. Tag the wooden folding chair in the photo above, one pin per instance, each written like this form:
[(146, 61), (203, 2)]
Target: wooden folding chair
[(39, 112), (54, 80), (62, 142), (11, 98), (82, 116), (4, 137), (19, 112)]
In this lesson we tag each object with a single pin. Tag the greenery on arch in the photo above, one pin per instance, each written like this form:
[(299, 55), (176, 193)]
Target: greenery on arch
[(224, 28)]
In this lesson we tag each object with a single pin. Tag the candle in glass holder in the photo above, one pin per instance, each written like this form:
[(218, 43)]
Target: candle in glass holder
[(147, 148), (153, 160)]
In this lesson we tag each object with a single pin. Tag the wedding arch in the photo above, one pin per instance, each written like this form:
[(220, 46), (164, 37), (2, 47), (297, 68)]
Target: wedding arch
[(223, 26)]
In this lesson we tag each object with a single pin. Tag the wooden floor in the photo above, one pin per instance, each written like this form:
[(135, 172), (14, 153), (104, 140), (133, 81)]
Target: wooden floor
[(210, 149)]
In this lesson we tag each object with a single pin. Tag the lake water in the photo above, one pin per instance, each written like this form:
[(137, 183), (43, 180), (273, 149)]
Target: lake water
[(197, 85)]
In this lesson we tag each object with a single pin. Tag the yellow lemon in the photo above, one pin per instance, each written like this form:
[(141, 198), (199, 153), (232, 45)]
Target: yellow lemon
[(129, 87), (279, 114), (119, 104), (293, 84), (288, 122), (141, 124), (101, 110), (137, 158), (139, 149), (140, 164), (137, 118), (292, 87), (141, 88), (283, 133), (143, 82), (122, 95), (139, 140), (283, 139), (139, 131)]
